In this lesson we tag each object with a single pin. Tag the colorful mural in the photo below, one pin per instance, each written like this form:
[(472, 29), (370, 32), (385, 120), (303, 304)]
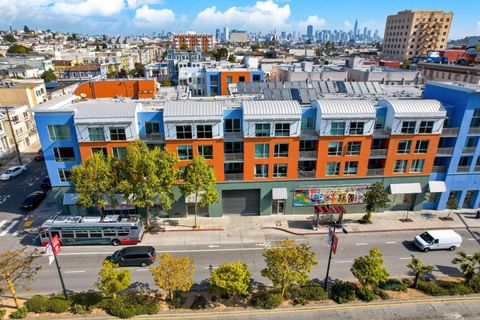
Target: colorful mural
[(334, 195)]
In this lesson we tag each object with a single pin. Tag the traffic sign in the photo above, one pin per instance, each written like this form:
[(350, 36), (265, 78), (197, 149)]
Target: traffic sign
[(334, 244), (52, 248)]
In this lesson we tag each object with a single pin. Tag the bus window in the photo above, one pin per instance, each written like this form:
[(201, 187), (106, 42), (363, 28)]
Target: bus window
[(95, 234), (67, 234), (81, 234), (55, 233), (109, 233), (123, 233)]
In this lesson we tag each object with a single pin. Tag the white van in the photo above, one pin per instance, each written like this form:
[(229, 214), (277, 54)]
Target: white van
[(438, 239)]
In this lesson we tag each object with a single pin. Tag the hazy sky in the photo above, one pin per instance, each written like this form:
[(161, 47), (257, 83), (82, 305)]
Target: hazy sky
[(138, 16)]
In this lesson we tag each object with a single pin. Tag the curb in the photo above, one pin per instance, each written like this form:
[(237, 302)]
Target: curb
[(184, 230)]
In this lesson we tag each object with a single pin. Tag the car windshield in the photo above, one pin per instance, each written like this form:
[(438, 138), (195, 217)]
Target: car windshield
[(426, 237), (9, 171)]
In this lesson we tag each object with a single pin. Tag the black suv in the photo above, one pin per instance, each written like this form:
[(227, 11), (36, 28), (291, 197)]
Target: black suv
[(141, 256)]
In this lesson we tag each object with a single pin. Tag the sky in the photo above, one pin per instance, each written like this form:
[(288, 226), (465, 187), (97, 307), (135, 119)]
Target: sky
[(147, 16)]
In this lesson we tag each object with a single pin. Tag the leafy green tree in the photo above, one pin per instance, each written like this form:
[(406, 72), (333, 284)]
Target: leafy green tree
[(183, 47), (19, 49), (49, 76), (166, 83), (231, 278), (10, 38), (418, 268), (232, 58), (468, 264), (94, 181), (376, 197), (369, 269), (138, 70), (288, 263), (173, 273), (199, 183), (111, 74), (112, 280), (405, 64)]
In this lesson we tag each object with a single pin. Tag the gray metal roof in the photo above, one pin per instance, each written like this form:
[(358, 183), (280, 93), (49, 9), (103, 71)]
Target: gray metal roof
[(108, 110), (417, 108), (342, 108), (193, 110), (279, 109)]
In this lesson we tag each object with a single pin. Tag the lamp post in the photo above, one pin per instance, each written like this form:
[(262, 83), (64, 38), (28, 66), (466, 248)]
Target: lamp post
[(333, 242)]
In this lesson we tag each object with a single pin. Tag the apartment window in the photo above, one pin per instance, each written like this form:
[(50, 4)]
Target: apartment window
[(279, 170), (261, 150), (64, 154), (241, 79), (356, 128), (307, 145), (119, 152), (184, 132), (308, 123), (229, 79), (117, 134), (262, 129), (431, 197), (337, 129), (204, 131), (426, 127), (421, 146), (475, 123), (353, 148), (404, 146), (400, 166), (282, 129), (233, 147), (232, 125), (351, 167), (59, 133), (152, 127), (96, 134), (185, 152), (408, 126), (65, 175), (102, 151), (232, 168), (26, 115), (261, 171), (417, 165), (15, 119), (335, 148), (281, 150), (256, 77), (379, 121), (206, 151), (464, 161), (333, 168)]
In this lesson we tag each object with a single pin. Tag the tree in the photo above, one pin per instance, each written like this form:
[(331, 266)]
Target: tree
[(418, 268), (183, 47), (468, 264), (199, 183), (405, 64), (173, 273), (49, 76), (376, 197), (112, 280), (112, 74), (19, 49), (369, 269), (26, 29), (231, 278), (17, 268), (288, 263), (138, 71), (94, 181), (452, 204), (166, 83), (232, 58), (9, 38)]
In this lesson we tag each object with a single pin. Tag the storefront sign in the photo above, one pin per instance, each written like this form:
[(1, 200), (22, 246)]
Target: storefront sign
[(332, 195)]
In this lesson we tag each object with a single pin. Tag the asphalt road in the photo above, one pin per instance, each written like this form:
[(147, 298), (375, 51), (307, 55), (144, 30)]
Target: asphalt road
[(80, 265)]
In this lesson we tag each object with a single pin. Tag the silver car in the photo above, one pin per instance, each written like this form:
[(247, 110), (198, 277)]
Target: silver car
[(12, 172)]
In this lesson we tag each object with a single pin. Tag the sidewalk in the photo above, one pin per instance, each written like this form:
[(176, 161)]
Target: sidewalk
[(26, 155)]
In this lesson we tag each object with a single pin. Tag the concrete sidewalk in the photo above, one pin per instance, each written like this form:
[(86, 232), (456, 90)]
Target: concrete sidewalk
[(26, 156)]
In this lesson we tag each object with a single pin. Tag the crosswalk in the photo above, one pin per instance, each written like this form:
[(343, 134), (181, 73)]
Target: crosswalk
[(9, 228)]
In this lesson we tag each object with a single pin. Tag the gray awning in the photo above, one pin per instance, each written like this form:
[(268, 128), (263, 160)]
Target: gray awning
[(279, 194), (437, 186), (405, 188)]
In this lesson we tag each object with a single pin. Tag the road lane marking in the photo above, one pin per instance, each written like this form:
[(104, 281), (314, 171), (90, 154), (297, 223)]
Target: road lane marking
[(75, 271), (15, 234), (344, 261), (361, 244), (3, 222), (473, 239), (10, 226), (166, 251), (213, 246), (405, 258), (391, 242), (142, 270)]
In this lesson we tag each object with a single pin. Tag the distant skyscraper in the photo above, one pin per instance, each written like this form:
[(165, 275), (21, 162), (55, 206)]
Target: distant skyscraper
[(309, 32), (226, 34), (355, 28), (217, 34)]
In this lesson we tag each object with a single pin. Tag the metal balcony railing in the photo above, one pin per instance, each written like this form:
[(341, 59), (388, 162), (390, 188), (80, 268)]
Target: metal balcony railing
[(378, 153), (449, 132), (233, 176), (474, 130), (233, 135), (233, 156), (379, 133), (306, 174), (309, 133), (375, 172), (438, 169), (308, 155), (444, 151), (463, 168), (153, 137), (477, 168), (469, 150)]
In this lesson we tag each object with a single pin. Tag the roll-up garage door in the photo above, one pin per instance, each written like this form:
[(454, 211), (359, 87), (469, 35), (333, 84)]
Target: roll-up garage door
[(245, 202)]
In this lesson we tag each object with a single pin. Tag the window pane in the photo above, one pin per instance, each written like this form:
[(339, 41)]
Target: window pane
[(262, 129), (337, 129), (204, 131), (400, 166), (417, 165), (261, 171), (184, 132), (335, 148), (206, 151), (96, 134), (64, 154), (356, 128), (59, 133), (279, 170), (232, 125), (333, 168), (185, 152), (421, 146), (261, 150), (65, 175), (117, 134), (404, 146), (351, 167), (353, 148), (281, 150), (426, 127), (282, 129), (103, 151), (119, 152), (152, 127), (408, 126)]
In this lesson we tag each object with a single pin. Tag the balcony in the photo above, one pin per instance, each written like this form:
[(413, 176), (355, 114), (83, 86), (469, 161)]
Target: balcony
[(306, 174), (305, 155), (444, 151), (469, 150), (375, 172), (474, 130), (463, 168), (381, 133), (233, 157), (438, 169), (233, 176), (153, 137), (378, 153), (233, 135), (309, 134), (449, 132), (477, 168)]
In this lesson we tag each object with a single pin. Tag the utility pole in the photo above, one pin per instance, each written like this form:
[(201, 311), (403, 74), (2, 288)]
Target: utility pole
[(13, 135)]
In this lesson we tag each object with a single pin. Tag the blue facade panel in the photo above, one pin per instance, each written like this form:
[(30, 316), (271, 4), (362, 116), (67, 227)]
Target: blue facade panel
[(234, 114), (145, 116), (256, 74), (210, 77)]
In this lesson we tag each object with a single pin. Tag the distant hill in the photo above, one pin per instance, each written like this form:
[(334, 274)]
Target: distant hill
[(459, 42)]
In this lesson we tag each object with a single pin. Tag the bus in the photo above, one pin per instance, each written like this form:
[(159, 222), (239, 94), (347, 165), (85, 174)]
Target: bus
[(112, 229)]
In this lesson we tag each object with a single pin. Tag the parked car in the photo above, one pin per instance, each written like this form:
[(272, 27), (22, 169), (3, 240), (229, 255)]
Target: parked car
[(12, 172), (46, 184), (39, 156), (438, 239), (141, 256), (33, 200)]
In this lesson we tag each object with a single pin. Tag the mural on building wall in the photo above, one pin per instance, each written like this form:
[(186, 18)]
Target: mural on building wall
[(334, 195)]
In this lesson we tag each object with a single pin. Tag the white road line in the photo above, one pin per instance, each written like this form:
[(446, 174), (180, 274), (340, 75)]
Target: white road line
[(3, 222), (214, 246), (166, 251), (361, 244), (10, 226), (391, 242), (344, 261), (405, 258), (473, 239), (208, 268), (75, 271), (142, 270), (15, 234)]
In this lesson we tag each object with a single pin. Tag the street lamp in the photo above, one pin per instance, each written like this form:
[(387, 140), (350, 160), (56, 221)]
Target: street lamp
[(333, 246)]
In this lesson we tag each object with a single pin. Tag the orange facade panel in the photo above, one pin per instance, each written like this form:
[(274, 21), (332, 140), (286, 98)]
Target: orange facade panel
[(137, 89), (87, 148), (227, 77)]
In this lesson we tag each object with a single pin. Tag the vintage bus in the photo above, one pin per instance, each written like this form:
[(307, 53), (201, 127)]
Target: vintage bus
[(86, 230)]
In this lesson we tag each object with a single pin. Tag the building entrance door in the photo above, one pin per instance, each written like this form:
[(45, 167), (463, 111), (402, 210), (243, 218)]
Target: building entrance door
[(278, 207)]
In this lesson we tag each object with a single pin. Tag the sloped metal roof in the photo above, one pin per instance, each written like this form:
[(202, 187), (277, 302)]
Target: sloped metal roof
[(341, 108), (417, 108), (102, 111), (193, 110), (279, 109)]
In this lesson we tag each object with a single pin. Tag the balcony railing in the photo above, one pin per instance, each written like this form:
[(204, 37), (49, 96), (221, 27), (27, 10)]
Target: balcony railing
[(444, 151), (474, 130), (233, 135), (477, 168), (378, 153), (306, 174), (233, 156), (438, 169), (233, 176), (449, 132), (308, 155), (153, 137), (469, 150), (309, 133), (375, 172), (463, 168), (378, 133)]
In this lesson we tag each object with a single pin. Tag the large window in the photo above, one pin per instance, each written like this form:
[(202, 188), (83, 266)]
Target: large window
[(337, 129), (356, 128), (119, 152), (282, 129), (65, 175), (280, 150), (261, 150), (421, 146), (102, 151), (351, 167), (204, 131), (417, 165), (308, 123), (233, 147), (400, 166), (185, 152), (59, 133), (232, 125), (117, 134), (279, 170), (335, 148), (206, 151), (64, 154), (353, 148), (475, 123), (307, 145), (184, 132), (261, 171), (408, 126), (404, 146), (426, 127), (96, 134), (152, 127), (262, 129), (333, 168)]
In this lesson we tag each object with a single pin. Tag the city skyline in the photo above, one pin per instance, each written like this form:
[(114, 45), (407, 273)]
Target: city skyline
[(146, 16)]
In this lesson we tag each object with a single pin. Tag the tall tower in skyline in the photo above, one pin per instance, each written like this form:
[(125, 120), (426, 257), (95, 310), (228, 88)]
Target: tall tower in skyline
[(355, 28), (309, 32)]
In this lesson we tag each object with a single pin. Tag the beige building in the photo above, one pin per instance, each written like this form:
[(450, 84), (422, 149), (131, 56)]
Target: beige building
[(23, 127), (415, 32), (26, 92)]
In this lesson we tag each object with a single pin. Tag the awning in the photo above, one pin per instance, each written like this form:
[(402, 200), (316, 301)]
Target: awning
[(70, 199), (437, 186), (405, 188), (279, 194)]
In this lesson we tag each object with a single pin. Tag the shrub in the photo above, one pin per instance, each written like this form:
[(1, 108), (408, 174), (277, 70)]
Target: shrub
[(130, 305), (407, 281), (455, 288), (266, 300), (59, 305), (122, 309), (37, 304), (178, 300), (343, 292), (88, 300), (381, 293), (200, 302), (20, 313), (365, 294), (474, 284), (394, 285), (2, 313), (431, 288), (79, 309), (311, 291)]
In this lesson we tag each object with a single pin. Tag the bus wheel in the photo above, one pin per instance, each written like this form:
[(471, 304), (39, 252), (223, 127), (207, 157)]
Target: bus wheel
[(115, 242), (143, 264)]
